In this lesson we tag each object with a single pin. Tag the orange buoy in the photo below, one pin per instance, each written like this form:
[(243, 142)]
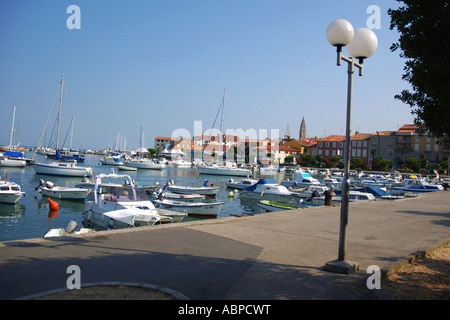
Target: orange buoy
[(53, 204)]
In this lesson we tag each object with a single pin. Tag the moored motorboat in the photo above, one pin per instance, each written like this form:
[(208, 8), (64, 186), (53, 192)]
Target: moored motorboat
[(10, 192), (418, 185), (121, 207), (143, 163), (224, 170), (304, 179), (272, 206), (268, 189), (68, 231), (61, 168), (6, 161), (209, 191), (210, 209), (60, 192), (240, 185)]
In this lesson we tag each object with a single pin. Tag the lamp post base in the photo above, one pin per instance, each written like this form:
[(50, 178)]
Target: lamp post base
[(341, 266)]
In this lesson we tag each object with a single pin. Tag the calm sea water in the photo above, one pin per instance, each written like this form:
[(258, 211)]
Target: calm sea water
[(30, 217)]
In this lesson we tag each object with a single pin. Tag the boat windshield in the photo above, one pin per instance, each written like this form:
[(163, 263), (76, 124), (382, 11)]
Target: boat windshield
[(124, 194)]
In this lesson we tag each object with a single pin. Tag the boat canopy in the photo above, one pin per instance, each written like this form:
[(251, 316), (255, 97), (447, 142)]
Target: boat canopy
[(125, 194), (13, 154), (261, 181)]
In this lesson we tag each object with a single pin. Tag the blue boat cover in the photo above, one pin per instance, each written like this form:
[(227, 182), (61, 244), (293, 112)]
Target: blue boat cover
[(261, 181), (13, 154)]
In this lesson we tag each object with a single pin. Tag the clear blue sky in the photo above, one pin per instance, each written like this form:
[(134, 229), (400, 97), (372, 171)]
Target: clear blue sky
[(163, 64)]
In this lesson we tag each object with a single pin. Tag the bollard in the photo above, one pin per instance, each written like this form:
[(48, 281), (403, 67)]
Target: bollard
[(329, 194)]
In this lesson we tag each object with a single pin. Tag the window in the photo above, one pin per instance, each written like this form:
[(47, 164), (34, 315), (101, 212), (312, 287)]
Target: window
[(353, 143), (327, 144), (334, 144), (365, 144), (320, 144)]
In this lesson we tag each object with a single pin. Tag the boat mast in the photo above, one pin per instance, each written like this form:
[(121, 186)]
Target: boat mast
[(12, 128), (59, 114), (221, 125)]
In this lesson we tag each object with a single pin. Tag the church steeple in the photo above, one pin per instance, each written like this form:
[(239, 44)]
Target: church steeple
[(302, 133), (287, 135)]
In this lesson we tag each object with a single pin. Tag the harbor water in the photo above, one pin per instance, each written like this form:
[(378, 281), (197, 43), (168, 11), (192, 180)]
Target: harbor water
[(32, 218)]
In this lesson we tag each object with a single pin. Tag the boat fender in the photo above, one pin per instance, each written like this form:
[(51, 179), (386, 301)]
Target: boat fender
[(230, 194), (89, 215)]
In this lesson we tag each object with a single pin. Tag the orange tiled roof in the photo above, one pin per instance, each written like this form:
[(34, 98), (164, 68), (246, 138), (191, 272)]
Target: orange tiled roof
[(332, 138)]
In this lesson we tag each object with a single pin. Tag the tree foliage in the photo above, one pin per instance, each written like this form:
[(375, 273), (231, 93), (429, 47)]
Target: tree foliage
[(425, 44)]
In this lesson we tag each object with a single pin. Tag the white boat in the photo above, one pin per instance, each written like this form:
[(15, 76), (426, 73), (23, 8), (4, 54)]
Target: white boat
[(224, 170), (210, 191), (240, 185), (123, 207), (61, 168), (418, 185), (10, 192), (180, 163), (303, 180), (360, 196), (307, 192), (58, 168), (268, 171), (6, 161), (160, 194), (68, 231), (112, 160), (268, 189), (330, 181), (210, 209), (50, 190), (143, 163), (126, 168)]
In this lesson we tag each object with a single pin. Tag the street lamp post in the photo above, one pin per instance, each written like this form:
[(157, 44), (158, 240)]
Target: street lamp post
[(361, 44)]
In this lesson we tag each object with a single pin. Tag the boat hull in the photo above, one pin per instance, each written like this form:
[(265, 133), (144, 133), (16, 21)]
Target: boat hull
[(207, 191), (224, 171), (145, 165), (13, 163), (202, 209), (67, 171), (10, 198), (66, 193)]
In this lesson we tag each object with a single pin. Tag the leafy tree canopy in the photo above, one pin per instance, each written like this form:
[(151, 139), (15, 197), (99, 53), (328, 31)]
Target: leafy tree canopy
[(425, 44)]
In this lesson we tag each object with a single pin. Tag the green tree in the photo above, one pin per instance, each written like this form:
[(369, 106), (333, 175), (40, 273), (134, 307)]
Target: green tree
[(413, 164), (334, 160), (308, 160), (425, 44), (357, 163)]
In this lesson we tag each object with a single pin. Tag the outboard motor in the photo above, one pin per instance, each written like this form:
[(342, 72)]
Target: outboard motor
[(71, 226), (41, 184)]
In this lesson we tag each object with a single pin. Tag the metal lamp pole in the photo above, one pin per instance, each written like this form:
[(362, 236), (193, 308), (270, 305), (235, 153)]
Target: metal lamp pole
[(340, 33)]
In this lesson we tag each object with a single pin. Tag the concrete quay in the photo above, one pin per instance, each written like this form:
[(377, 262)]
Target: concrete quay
[(271, 256)]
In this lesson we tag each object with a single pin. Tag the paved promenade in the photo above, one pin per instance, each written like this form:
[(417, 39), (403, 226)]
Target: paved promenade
[(268, 256)]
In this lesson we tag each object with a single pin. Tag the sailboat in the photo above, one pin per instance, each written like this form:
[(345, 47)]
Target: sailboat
[(12, 158), (226, 169), (58, 167), (143, 163)]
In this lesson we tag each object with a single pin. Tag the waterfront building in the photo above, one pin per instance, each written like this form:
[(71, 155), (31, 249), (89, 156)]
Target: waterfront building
[(382, 144)]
